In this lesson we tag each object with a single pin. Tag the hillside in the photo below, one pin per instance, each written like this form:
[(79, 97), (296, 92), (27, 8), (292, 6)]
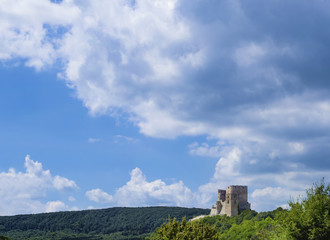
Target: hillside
[(111, 223)]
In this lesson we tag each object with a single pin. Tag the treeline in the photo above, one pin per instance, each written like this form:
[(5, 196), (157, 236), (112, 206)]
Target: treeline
[(111, 223), (307, 218)]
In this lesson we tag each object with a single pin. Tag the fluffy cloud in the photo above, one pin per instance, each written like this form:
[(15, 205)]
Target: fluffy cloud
[(140, 192), (24, 192), (29, 30), (239, 72), (99, 196), (55, 206), (61, 183)]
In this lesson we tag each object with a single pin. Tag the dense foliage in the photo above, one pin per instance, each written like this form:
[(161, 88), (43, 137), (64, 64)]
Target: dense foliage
[(247, 225), (184, 230), (112, 223), (259, 227), (308, 218)]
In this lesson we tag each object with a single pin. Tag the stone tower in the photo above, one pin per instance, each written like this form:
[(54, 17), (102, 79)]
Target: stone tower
[(231, 201)]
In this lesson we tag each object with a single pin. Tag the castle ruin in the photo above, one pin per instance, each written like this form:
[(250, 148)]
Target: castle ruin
[(231, 201)]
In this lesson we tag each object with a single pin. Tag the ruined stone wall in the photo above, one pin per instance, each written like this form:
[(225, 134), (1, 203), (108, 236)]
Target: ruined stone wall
[(236, 198), (231, 200), (221, 195)]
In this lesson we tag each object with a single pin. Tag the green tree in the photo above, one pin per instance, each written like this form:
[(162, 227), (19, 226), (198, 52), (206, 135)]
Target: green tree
[(254, 229), (174, 230), (309, 217)]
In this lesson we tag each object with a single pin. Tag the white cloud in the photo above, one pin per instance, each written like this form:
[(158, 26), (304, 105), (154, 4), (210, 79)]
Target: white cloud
[(227, 165), (204, 150), (33, 168), (24, 192), (23, 33), (269, 192), (140, 192), (150, 116), (269, 197), (99, 196), (56, 206), (61, 183)]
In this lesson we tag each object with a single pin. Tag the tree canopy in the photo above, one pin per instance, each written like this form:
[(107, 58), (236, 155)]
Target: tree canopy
[(309, 217), (175, 230)]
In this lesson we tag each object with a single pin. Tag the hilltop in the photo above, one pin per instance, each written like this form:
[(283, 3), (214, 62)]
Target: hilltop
[(110, 223)]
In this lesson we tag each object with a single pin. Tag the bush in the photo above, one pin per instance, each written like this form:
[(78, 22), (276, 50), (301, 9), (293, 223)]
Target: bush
[(309, 217), (174, 230)]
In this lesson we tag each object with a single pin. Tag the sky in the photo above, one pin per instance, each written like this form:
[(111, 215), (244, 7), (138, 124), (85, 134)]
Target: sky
[(161, 102)]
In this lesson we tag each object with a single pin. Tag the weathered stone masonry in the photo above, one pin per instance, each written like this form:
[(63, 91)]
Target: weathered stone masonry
[(231, 200)]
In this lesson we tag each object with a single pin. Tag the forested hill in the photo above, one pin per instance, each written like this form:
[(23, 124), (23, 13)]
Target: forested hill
[(111, 223)]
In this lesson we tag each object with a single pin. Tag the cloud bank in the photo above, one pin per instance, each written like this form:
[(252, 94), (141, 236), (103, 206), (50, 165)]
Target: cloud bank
[(269, 190), (253, 76)]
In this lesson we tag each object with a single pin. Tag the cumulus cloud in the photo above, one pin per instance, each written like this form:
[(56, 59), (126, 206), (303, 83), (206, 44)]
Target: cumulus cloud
[(24, 192), (99, 196), (61, 183), (244, 73), (138, 191), (55, 206), (226, 165)]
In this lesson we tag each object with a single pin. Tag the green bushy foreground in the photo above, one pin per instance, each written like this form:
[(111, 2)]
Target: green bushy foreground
[(308, 218)]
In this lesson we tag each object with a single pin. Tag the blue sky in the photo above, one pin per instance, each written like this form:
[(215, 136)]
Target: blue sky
[(138, 103)]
